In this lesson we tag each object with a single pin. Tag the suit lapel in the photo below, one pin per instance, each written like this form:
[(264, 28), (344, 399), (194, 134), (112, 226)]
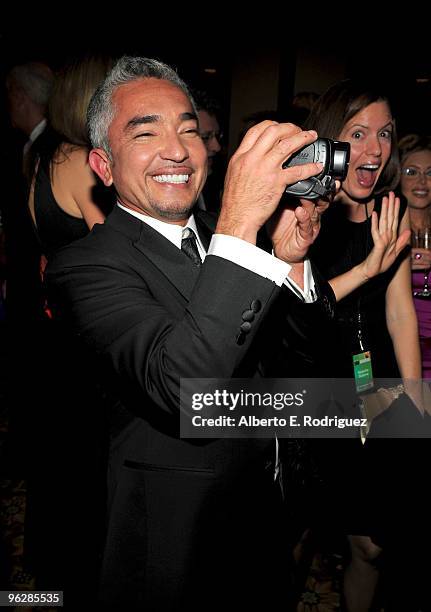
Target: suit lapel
[(169, 260), (205, 223), (160, 252)]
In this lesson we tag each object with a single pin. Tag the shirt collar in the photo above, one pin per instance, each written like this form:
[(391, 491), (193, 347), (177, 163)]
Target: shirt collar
[(172, 232), (37, 130)]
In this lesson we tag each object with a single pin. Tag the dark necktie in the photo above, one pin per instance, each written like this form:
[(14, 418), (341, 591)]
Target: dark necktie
[(189, 246)]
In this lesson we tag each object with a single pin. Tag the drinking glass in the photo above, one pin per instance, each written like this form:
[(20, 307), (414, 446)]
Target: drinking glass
[(422, 240)]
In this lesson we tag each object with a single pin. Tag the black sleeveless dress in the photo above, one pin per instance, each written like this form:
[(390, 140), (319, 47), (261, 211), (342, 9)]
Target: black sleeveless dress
[(378, 489), (359, 495), (55, 227), (341, 245)]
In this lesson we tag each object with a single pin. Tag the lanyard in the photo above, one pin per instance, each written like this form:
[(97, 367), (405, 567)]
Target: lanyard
[(362, 367)]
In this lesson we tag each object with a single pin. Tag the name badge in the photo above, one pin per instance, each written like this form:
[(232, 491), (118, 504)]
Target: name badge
[(363, 371)]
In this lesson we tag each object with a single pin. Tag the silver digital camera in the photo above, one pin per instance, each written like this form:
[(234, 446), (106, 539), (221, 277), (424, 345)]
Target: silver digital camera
[(333, 155)]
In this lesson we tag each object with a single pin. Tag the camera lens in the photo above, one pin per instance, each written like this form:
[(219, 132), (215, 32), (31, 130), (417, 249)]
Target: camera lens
[(340, 160)]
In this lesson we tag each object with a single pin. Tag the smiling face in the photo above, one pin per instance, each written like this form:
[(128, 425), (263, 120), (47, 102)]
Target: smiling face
[(158, 162), (416, 179), (369, 133)]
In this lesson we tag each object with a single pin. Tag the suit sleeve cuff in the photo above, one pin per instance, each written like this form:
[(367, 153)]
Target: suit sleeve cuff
[(249, 256)]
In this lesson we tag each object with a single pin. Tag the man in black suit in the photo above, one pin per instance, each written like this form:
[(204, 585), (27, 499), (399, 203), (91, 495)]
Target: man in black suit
[(190, 525), (28, 89)]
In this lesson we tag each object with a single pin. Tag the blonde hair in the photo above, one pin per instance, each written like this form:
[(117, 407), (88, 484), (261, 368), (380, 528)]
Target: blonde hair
[(71, 94), (413, 143)]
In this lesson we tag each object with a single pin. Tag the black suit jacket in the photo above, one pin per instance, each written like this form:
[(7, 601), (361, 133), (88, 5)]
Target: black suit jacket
[(179, 512)]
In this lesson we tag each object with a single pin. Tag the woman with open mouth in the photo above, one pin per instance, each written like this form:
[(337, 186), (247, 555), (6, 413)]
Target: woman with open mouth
[(375, 325)]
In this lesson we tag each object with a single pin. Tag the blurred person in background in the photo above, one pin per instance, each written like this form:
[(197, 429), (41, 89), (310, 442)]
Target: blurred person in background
[(416, 188), (209, 129), (65, 198), (28, 88)]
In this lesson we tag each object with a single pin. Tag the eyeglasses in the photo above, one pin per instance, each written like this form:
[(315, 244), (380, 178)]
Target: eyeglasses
[(207, 136), (414, 172)]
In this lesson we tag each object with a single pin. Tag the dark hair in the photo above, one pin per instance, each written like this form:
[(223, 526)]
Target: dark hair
[(204, 102), (338, 105), (305, 100)]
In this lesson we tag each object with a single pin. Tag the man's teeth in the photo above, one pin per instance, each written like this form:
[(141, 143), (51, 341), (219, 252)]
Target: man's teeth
[(370, 166), (171, 178)]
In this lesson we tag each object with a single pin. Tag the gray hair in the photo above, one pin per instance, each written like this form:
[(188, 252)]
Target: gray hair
[(35, 79), (101, 109)]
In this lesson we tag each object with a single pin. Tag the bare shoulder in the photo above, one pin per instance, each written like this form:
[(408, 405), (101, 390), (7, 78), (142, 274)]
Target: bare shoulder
[(71, 164), (74, 156)]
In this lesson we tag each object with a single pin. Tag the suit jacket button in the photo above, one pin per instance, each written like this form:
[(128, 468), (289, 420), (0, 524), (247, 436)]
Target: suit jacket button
[(256, 305), (245, 327), (240, 339), (248, 315)]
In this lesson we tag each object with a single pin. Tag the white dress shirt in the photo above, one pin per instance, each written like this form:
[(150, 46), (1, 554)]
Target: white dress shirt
[(237, 251)]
